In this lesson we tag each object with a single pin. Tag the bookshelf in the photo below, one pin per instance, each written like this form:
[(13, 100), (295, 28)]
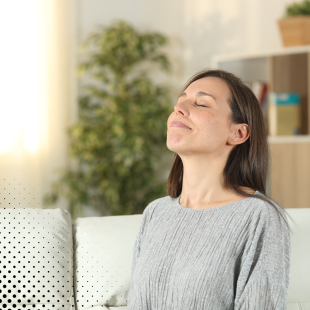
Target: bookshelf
[(284, 70)]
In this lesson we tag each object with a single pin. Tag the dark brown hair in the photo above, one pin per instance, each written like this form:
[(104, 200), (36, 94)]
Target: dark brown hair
[(248, 163)]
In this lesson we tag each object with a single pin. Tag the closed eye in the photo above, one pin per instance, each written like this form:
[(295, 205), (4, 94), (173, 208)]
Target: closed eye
[(200, 105)]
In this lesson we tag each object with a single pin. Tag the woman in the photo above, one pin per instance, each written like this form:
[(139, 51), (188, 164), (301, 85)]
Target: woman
[(217, 241)]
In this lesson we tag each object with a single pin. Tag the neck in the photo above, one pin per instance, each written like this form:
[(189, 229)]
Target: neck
[(203, 181)]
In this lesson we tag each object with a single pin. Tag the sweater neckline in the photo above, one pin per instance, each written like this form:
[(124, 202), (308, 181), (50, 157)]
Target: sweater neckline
[(212, 209)]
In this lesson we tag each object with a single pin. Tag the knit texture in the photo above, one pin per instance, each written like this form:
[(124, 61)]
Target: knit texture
[(236, 256)]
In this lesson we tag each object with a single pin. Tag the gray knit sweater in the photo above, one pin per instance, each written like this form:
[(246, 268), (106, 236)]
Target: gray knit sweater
[(236, 256)]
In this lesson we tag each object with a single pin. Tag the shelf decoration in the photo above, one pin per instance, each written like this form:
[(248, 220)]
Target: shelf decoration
[(284, 114), (260, 90), (295, 26)]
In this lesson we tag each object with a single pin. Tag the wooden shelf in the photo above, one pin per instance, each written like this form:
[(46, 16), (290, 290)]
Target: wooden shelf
[(305, 49), (289, 139), (284, 70)]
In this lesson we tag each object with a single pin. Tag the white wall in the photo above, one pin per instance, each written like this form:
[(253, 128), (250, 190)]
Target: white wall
[(198, 29), (25, 177)]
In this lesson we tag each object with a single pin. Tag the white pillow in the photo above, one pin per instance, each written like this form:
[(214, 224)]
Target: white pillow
[(103, 257), (299, 287), (36, 259)]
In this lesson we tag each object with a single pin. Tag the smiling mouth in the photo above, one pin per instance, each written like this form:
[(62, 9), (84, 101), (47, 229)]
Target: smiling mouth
[(179, 124)]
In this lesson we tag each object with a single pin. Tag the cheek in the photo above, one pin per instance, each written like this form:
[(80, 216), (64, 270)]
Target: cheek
[(211, 126), (169, 120)]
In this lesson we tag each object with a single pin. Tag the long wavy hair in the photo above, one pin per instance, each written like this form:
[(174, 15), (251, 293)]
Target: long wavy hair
[(248, 163)]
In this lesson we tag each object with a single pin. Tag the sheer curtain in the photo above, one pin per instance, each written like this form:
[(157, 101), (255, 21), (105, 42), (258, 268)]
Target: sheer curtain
[(37, 96)]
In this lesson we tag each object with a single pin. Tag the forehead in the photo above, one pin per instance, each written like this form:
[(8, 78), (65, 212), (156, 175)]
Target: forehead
[(214, 85)]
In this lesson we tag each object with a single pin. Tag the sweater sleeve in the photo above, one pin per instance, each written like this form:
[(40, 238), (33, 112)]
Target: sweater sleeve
[(137, 244), (265, 266), (146, 217), (136, 251)]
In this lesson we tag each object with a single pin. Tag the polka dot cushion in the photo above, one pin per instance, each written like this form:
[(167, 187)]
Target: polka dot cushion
[(36, 259), (103, 257)]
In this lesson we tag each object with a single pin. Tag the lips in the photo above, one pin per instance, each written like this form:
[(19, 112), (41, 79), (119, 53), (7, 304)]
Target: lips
[(179, 124)]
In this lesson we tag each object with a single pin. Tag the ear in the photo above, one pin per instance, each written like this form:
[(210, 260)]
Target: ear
[(239, 134)]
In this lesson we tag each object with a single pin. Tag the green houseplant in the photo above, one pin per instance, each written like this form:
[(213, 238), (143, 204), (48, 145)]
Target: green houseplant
[(120, 135), (295, 25), (298, 8)]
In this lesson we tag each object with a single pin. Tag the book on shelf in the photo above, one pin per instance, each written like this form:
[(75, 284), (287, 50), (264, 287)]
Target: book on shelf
[(259, 89), (284, 114)]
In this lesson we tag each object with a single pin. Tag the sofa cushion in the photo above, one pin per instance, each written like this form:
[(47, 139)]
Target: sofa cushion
[(36, 259), (103, 257), (298, 296)]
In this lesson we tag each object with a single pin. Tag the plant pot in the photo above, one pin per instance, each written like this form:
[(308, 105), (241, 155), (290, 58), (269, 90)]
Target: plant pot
[(295, 30)]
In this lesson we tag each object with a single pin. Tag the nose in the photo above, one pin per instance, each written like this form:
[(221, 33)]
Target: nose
[(180, 108)]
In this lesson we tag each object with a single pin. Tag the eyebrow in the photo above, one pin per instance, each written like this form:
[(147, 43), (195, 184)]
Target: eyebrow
[(199, 94)]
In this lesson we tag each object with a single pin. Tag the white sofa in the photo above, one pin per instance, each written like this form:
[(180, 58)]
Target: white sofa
[(48, 263)]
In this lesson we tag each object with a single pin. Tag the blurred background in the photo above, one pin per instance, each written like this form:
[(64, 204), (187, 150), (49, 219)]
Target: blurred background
[(87, 87)]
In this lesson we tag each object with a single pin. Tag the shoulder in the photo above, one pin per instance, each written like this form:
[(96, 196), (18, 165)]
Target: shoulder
[(273, 213), (155, 205), (157, 202), (273, 207)]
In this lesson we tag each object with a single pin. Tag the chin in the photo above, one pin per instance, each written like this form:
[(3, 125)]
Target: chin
[(177, 143), (170, 146), (175, 147)]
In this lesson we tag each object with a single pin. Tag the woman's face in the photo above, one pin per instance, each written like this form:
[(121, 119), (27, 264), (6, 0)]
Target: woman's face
[(204, 109)]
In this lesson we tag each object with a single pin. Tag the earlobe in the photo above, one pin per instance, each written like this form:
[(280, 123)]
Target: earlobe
[(232, 139)]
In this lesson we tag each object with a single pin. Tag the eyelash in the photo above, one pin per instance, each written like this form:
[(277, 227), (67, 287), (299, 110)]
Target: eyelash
[(199, 105)]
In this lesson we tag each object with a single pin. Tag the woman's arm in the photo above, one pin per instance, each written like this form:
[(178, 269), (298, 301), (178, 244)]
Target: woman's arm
[(264, 276)]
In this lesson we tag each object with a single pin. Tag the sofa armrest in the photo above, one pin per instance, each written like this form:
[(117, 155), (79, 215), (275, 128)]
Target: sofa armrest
[(36, 258)]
